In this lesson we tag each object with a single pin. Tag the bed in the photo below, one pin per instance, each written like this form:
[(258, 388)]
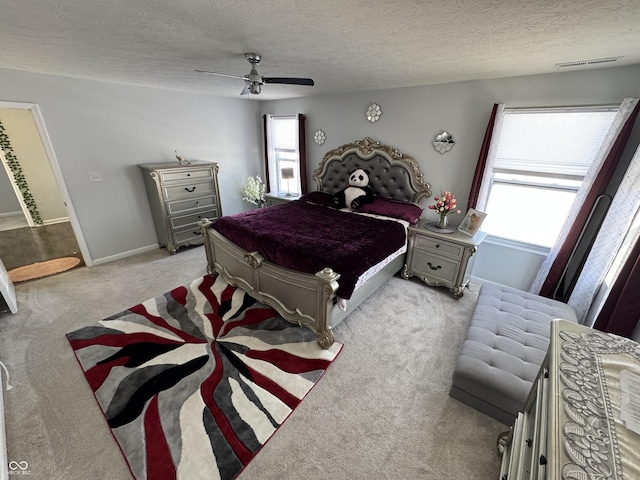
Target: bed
[(301, 289)]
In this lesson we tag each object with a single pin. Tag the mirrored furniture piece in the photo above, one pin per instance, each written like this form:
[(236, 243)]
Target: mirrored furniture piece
[(180, 196), (441, 259), (572, 426)]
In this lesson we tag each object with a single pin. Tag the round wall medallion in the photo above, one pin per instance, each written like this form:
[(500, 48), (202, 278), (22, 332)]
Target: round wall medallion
[(374, 113), (443, 142), (319, 137)]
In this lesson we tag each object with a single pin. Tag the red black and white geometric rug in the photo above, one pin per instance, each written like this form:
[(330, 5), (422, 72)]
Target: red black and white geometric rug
[(194, 382)]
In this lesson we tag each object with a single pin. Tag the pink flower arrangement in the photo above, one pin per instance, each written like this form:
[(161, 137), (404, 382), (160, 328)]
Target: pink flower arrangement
[(445, 204)]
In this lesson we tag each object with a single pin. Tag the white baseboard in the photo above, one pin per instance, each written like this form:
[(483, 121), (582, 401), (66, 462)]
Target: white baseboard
[(130, 253), (12, 214), (53, 221)]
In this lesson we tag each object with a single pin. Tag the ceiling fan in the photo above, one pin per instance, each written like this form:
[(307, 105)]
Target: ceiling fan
[(254, 81)]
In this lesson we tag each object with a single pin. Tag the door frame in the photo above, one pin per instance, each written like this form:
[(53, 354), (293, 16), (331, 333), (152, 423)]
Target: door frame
[(57, 173)]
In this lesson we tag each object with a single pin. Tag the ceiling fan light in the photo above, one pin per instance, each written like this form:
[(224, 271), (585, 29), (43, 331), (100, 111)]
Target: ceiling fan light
[(254, 88)]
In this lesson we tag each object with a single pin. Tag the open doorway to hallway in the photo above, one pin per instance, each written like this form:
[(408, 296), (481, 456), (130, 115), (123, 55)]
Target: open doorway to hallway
[(37, 221)]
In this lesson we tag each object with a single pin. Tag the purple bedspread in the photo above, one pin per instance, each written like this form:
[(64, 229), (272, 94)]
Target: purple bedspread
[(307, 237)]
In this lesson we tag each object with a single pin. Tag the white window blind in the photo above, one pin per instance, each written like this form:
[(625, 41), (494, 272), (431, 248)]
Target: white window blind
[(535, 141), (285, 130)]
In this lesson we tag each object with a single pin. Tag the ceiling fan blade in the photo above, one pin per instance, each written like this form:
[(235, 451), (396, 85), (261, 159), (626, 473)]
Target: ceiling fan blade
[(289, 81), (245, 90), (220, 74)]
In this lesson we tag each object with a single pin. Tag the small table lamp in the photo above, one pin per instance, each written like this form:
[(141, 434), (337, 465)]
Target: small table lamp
[(287, 174)]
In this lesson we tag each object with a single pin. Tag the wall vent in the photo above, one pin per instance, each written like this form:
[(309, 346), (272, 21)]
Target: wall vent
[(586, 63)]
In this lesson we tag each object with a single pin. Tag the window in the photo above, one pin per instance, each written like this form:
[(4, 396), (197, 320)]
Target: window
[(285, 154), (541, 160)]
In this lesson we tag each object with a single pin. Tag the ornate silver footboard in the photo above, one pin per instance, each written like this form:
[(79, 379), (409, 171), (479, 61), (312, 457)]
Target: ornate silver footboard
[(301, 298)]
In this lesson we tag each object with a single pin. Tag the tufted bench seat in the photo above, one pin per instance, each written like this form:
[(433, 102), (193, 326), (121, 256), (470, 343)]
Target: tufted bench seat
[(505, 345)]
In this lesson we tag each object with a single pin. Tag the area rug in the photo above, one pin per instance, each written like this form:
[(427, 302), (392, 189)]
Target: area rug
[(43, 269), (194, 382)]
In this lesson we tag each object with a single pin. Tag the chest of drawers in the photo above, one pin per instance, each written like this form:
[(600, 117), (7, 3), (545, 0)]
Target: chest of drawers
[(441, 259), (180, 196), (571, 427)]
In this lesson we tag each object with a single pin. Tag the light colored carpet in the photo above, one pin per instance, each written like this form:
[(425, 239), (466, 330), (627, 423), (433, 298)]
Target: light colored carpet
[(381, 411)]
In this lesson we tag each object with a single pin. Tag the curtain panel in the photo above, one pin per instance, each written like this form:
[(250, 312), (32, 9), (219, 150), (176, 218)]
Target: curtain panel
[(594, 184), (482, 178), (608, 244), (621, 311), (481, 166)]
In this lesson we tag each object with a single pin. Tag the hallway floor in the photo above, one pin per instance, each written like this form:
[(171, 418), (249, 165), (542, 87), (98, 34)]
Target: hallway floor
[(24, 246)]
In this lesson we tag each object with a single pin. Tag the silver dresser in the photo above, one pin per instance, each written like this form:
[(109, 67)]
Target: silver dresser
[(571, 427), (180, 196)]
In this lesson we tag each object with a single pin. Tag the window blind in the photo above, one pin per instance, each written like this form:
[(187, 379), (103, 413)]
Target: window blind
[(285, 130), (562, 143)]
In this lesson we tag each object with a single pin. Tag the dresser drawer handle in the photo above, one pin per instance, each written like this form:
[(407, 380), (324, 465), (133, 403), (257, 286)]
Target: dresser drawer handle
[(432, 267), (190, 190), (437, 245)]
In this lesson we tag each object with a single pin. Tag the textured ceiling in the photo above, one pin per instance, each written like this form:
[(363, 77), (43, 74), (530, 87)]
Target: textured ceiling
[(344, 45)]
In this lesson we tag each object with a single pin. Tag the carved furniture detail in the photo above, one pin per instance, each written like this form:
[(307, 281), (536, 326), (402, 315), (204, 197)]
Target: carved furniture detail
[(571, 426)]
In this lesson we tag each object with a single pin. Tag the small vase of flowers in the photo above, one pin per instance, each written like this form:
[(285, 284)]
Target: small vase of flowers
[(254, 191), (444, 206)]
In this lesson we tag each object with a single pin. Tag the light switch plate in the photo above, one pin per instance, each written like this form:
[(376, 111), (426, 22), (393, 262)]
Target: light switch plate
[(95, 176)]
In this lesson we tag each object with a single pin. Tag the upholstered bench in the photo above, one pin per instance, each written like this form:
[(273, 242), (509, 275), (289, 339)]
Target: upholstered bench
[(505, 345)]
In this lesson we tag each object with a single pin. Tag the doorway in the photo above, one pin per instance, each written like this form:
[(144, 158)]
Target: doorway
[(54, 230)]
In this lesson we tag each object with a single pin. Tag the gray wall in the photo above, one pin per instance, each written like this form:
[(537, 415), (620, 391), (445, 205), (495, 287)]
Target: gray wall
[(97, 126), (412, 116), (110, 128)]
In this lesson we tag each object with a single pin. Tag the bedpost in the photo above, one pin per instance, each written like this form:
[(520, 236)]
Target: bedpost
[(205, 224), (326, 291)]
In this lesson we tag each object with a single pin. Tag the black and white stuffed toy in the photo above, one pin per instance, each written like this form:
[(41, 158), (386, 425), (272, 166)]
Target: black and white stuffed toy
[(356, 193)]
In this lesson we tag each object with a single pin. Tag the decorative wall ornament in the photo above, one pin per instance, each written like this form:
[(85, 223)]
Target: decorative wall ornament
[(319, 137), (21, 181), (374, 113), (443, 142)]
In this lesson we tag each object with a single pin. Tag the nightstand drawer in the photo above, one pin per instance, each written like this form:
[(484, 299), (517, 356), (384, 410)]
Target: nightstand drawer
[(176, 176), (439, 246), (187, 190), (434, 266), (193, 219), (190, 204)]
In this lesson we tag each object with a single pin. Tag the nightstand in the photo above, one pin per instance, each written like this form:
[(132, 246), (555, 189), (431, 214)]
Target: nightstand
[(273, 199), (441, 259)]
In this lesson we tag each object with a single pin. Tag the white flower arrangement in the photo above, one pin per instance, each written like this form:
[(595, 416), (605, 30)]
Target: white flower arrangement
[(254, 190)]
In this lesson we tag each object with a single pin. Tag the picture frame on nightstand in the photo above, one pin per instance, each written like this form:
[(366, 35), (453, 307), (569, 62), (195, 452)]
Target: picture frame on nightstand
[(471, 222)]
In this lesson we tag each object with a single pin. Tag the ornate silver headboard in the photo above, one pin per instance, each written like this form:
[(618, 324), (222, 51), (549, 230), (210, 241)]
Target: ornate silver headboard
[(391, 173)]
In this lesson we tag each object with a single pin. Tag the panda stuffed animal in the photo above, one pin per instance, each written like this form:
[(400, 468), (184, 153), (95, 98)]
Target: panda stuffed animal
[(356, 193)]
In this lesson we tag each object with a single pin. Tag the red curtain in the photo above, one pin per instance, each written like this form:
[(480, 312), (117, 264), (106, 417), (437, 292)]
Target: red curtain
[(621, 310), (482, 160), (302, 145), (599, 188), (266, 152)]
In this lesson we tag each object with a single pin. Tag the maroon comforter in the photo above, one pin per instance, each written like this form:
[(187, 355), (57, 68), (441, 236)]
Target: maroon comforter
[(307, 237)]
